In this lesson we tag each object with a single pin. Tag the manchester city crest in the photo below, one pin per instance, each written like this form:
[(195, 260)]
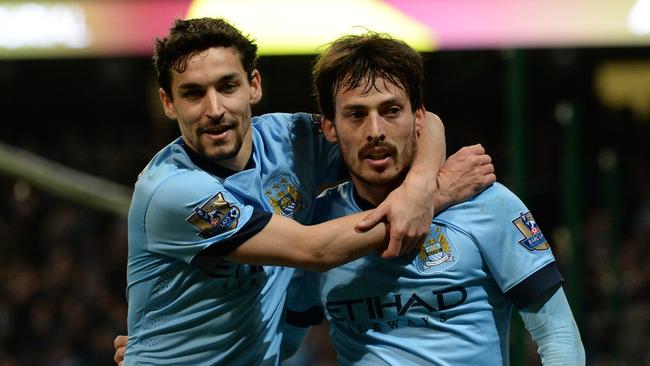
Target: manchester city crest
[(438, 253), (214, 217), (533, 237), (284, 197)]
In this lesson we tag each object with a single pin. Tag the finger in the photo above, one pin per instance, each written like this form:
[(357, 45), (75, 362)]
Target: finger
[(407, 246), (119, 355), (478, 149), (394, 246), (371, 220), (120, 341), (490, 178), (487, 169), (414, 245), (484, 159), (423, 238)]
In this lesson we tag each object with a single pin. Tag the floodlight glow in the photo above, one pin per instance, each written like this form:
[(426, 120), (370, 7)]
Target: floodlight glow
[(298, 26), (43, 25), (639, 19)]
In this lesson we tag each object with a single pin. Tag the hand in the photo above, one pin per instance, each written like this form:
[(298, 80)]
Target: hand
[(408, 210), (464, 174), (120, 348)]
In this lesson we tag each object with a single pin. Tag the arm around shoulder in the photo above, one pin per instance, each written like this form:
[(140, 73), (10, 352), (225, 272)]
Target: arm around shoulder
[(285, 242)]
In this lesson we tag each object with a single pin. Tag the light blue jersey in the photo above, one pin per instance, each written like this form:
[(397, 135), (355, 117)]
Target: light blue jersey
[(187, 304), (449, 304)]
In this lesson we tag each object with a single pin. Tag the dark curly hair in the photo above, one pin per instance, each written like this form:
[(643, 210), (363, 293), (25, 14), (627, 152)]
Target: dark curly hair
[(188, 37), (359, 60)]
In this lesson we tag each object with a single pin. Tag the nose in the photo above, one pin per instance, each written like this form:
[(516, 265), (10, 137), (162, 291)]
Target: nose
[(375, 127), (213, 106)]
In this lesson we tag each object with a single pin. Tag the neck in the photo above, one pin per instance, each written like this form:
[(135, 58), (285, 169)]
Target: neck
[(374, 194), (238, 162)]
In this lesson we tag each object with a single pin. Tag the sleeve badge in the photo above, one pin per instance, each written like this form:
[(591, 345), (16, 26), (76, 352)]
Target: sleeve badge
[(533, 237), (214, 217)]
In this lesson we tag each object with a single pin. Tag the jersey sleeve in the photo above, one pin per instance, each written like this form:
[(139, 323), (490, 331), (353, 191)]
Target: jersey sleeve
[(302, 310), (303, 301), (192, 218), (514, 247)]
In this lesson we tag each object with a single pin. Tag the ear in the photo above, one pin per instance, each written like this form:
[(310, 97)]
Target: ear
[(167, 104), (420, 119), (329, 130), (256, 87)]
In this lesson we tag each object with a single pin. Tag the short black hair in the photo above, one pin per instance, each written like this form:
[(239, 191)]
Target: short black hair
[(188, 37)]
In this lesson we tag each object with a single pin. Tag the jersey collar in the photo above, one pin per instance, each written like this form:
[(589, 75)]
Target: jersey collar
[(209, 165), (361, 202)]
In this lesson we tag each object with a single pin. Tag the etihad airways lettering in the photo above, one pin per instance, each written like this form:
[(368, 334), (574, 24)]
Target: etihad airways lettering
[(388, 325), (369, 308)]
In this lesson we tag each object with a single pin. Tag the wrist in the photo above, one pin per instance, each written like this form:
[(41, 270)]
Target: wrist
[(421, 183), (441, 200)]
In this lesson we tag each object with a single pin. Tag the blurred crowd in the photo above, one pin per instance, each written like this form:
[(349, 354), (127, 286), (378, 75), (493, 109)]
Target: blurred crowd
[(62, 276)]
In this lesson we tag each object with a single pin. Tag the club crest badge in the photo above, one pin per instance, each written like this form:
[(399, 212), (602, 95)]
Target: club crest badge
[(533, 237), (284, 197), (214, 217), (437, 253)]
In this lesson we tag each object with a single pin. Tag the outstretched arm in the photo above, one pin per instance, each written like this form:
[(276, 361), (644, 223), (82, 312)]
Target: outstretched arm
[(551, 324), (284, 242)]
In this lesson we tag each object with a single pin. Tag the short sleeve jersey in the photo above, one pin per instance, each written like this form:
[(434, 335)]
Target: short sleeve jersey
[(187, 304), (450, 303)]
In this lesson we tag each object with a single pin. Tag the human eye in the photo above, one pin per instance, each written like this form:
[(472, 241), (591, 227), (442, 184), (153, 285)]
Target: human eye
[(229, 88), (192, 94), (393, 111), (353, 114)]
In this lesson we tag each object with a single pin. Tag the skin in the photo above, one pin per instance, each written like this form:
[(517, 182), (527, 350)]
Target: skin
[(376, 130), (211, 100)]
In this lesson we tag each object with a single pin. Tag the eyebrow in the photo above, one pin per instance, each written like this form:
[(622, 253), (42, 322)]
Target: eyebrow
[(390, 101), (223, 79)]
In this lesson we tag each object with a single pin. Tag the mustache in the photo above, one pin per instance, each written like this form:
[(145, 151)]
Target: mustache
[(377, 146)]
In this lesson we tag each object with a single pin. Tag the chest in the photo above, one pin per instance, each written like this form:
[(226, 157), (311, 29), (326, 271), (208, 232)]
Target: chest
[(448, 259), (281, 188)]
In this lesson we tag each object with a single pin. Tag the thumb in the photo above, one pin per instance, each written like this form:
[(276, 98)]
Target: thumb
[(371, 220)]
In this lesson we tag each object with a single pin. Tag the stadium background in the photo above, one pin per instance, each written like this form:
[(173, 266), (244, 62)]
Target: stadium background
[(561, 103)]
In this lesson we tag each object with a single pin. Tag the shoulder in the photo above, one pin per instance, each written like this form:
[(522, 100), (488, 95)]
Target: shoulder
[(496, 197), (275, 123), (171, 181), (334, 202), (172, 175), (299, 117), (493, 198), (495, 203)]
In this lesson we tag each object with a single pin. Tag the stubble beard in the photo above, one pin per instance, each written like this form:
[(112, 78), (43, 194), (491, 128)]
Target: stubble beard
[(392, 181)]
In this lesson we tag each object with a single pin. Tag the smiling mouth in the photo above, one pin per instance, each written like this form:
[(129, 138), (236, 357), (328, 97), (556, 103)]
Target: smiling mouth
[(218, 130)]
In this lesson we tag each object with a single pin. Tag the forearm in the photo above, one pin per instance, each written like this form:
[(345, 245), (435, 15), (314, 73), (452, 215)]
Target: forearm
[(430, 154), (552, 327), (284, 242)]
